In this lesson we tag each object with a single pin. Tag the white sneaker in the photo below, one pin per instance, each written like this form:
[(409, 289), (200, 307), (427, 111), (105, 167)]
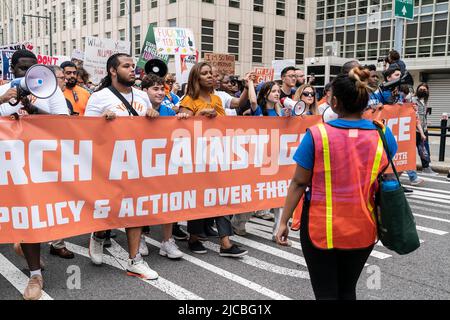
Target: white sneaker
[(96, 249), (170, 249), (429, 171), (137, 267), (264, 214), (143, 249), (417, 182)]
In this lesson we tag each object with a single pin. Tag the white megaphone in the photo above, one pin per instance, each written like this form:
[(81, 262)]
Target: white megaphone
[(298, 107), (329, 115), (39, 81)]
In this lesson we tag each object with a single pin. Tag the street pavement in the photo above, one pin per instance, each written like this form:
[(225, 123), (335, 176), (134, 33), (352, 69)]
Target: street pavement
[(268, 272)]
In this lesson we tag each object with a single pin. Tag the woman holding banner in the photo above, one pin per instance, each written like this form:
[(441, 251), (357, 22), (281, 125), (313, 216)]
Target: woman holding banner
[(200, 101), (338, 228)]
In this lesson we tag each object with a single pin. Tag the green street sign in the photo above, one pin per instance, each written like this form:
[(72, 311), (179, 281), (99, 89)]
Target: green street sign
[(404, 9)]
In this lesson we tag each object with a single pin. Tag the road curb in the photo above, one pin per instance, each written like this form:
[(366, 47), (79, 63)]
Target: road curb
[(440, 168)]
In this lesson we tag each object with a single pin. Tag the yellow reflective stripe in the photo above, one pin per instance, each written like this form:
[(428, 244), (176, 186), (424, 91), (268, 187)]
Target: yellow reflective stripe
[(375, 170), (328, 189)]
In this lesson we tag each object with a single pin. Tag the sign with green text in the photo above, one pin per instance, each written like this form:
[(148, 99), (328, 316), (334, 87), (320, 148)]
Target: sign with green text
[(149, 50)]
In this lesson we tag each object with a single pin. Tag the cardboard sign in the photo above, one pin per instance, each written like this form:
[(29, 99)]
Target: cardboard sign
[(52, 60), (78, 55), (183, 66), (263, 75), (149, 50), (175, 41), (96, 54), (225, 63), (279, 65)]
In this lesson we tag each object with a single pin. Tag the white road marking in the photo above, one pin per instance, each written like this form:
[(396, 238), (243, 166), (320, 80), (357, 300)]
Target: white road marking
[(426, 178), (429, 189), (161, 284), (431, 230), (16, 277), (260, 264), (435, 205), (431, 195), (82, 251), (431, 218), (421, 197), (253, 226)]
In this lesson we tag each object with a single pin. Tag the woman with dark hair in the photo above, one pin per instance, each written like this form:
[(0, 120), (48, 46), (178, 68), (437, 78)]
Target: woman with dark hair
[(200, 101), (307, 93), (339, 161)]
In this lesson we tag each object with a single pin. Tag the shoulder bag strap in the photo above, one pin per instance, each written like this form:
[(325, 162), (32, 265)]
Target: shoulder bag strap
[(386, 148), (130, 109)]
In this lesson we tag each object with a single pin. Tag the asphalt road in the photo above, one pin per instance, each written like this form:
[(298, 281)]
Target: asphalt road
[(268, 272)]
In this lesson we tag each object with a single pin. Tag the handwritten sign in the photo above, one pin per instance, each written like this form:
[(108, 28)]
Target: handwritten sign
[(225, 63), (183, 66), (175, 41), (149, 50), (263, 75)]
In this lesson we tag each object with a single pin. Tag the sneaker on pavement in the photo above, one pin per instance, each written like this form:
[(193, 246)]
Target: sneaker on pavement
[(417, 181), (234, 252), (197, 247), (448, 176), (264, 214), (429, 171), (33, 291), (143, 249), (170, 249), (178, 233), (406, 190), (137, 267), (96, 249)]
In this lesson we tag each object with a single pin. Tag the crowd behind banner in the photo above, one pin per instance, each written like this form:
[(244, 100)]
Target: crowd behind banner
[(210, 94)]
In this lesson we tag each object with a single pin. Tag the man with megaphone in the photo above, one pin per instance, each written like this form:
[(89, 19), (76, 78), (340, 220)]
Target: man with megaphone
[(46, 98), (34, 89)]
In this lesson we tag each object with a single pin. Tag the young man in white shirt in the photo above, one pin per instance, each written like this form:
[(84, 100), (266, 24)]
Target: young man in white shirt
[(21, 61), (109, 102)]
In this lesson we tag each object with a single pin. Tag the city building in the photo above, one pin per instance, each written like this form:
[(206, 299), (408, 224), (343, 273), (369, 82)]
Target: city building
[(365, 30), (256, 31)]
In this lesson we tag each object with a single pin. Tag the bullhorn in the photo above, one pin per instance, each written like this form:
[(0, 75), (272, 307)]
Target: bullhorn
[(156, 66)]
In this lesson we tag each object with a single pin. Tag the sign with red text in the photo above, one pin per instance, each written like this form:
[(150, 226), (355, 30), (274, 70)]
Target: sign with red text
[(51, 60)]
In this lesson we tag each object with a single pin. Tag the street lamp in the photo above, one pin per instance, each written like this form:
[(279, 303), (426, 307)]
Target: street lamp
[(49, 18)]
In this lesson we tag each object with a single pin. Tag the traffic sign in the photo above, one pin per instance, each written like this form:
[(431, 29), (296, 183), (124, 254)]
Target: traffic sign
[(404, 9)]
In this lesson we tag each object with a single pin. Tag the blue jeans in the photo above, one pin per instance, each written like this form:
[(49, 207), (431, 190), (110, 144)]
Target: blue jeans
[(412, 174)]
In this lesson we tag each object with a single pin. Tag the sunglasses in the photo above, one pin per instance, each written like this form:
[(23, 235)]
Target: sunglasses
[(170, 82), (308, 94)]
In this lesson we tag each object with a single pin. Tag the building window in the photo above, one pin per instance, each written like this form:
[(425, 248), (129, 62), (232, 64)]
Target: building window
[(122, 34), (84, 13), (281, 7), (108, 9), (257, 54), (122, 8), (234, 3), (63, 17), (301, 9), (137, 40), (207, 42), (154, 3), (208, 1), (258, 5), (172, 23), (279, 44), (137, 5), (95, 11), (300, 48), (108, 35), (233, 40)]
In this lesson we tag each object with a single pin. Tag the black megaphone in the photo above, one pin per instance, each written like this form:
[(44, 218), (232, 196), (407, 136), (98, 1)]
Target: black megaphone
[(156, 66)]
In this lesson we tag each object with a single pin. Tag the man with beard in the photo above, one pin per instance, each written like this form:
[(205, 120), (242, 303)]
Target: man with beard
[(21, 61), (116, 97), (300, 78), (77, 95)]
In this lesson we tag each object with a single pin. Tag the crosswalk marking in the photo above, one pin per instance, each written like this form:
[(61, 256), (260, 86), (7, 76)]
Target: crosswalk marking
[(431, 230), (429, 189), (430, 180), (431, 218), (420, 197), (431, 195), (16, 277), (257, 263), (431, 204)]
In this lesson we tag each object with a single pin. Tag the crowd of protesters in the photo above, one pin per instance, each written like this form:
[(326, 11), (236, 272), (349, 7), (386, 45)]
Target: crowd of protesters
[(210, 94)]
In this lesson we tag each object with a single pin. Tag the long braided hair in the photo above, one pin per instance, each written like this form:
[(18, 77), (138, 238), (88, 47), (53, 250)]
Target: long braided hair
[(113, 62)]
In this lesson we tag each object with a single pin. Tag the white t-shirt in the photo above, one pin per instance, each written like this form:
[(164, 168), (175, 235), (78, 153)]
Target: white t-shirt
[(226, 102), (105, 100), (56, 104)]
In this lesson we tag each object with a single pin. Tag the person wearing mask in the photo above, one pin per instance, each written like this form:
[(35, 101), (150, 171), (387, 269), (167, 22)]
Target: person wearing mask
[(201, 101), (300, 74), (421, 102), (307, 94), (154, 86), (289, 81), (77, 95), (21, 61), (116, 97), (338, 235), (171, 100)]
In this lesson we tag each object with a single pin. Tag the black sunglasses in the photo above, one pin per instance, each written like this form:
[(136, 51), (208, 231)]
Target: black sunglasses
[(308, 94)]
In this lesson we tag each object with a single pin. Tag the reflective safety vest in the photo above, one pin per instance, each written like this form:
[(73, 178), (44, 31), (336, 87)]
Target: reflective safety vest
[(347, 164)]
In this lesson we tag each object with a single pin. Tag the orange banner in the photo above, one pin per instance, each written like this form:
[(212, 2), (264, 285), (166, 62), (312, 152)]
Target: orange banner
[(401, 119), (63, 177)]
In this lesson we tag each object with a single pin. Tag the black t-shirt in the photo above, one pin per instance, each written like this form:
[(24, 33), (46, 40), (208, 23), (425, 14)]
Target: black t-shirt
[(284, 95)]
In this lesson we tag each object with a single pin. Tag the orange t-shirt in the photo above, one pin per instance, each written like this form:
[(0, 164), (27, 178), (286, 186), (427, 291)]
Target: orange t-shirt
[(82, 96), (196, 105)]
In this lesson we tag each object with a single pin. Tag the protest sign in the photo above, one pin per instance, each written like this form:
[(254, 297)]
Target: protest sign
[(183, 66), (77, 55), (96, 54), (263, 75), (175, 41), (18, 46), (6, 64), (51, 60), (279, 65), (149, 50), (225, 63)]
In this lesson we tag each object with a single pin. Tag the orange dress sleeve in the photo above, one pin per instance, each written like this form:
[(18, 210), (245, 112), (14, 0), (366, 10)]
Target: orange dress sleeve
[(189, 104)]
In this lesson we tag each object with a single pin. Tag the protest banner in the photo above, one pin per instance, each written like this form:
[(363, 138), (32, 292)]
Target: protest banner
[(401, 119), (96, 54), (149, 50), (51, 60), (175, 41), (183, 66), (225, 63), (279, 65), (18, 46), (263, 75), (61, 178), (6, 64), (77, 55)]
